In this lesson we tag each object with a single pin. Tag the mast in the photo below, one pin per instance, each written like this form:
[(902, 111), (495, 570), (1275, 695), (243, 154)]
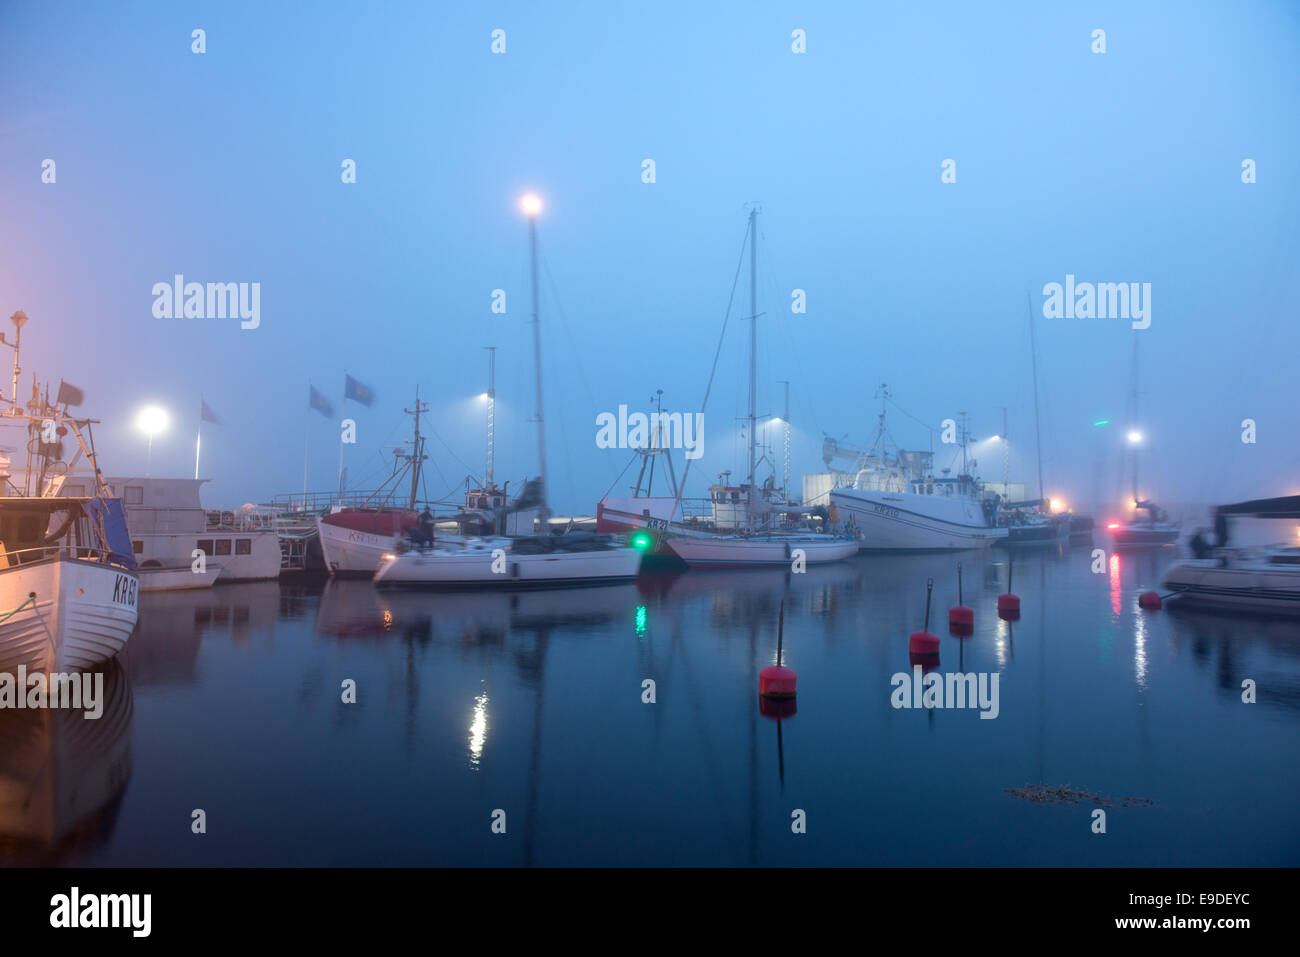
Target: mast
[(544, 511), (753, 349), (1136, 444), (417, 450), (785, 421), (491, 413), (1038, 437)]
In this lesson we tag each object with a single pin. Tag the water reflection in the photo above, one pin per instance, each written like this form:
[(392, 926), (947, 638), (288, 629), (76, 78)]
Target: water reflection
[(62, 777)]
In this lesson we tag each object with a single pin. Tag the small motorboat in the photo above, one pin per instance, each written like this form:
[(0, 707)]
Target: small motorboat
[(752, 551), (158, 578), (1265, 579)]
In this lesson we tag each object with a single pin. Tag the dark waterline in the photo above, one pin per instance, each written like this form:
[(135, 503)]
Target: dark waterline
[(229, 700)]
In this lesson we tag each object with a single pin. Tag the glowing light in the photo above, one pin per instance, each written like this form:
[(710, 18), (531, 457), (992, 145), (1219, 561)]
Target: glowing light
[(152, 420), (1056, 505), (483, 395), (640, 621), (641, 540), (1135, 437), (531, 204), (1113, 525), (1100, 422)]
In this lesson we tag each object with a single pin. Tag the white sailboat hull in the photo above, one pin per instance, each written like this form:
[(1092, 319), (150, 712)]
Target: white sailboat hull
[(82, 615), (905, 521), (474, 566), (177, 579), (755, 552)]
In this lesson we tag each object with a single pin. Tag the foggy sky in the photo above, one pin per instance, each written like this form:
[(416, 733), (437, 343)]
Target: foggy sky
[(225, 167)]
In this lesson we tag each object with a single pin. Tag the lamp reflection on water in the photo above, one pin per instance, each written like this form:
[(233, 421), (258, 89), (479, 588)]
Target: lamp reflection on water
[(478, 729)]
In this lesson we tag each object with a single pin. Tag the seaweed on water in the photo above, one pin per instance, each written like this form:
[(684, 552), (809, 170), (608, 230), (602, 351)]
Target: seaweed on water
[(1065, 794)]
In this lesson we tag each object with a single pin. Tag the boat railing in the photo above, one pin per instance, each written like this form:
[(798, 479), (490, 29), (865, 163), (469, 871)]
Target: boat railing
[(314, 503), (37, 553)]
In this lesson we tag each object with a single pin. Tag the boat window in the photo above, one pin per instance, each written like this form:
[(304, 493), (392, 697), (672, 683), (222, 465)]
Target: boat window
[(243, 546), (133, 495), (223, 546), (204, 545), (137, 547)]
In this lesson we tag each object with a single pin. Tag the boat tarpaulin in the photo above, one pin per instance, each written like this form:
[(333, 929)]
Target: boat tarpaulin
[(1287, 506), (114, 525)]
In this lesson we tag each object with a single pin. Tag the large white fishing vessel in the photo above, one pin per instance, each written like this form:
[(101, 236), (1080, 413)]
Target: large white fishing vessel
[(896, 503), (69, 594)]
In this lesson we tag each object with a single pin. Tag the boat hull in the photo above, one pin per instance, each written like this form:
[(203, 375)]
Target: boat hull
[(1256, 585), (903, 521), (353, 544), (82, 615), (177, 579), (755, 552), (475, 567), (1140, 536)]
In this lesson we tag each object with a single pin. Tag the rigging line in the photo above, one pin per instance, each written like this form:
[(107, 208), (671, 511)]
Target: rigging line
[(568, 332), (740, 262), (620, 476), (925, 425), (468, 468)]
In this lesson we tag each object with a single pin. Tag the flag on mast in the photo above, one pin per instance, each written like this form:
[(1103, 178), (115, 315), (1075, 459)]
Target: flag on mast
[(357, 391), (206, 414), (318, 402)]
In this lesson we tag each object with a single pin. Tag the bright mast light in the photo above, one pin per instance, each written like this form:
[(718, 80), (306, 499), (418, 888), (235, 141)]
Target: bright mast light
[(531, 204)]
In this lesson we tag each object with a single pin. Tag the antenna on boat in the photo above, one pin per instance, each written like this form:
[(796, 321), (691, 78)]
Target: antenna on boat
[(785, 421), (19, 319), (417, 446), (1033, 356)]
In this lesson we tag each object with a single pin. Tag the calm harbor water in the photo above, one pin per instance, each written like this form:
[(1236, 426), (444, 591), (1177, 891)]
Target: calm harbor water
[(230, 700)]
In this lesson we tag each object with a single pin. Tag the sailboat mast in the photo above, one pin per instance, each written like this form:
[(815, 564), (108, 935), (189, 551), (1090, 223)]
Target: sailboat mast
[(417, 450), (1136, 427), (491, 413), (544, 511), (753, 345), (1033, 358)]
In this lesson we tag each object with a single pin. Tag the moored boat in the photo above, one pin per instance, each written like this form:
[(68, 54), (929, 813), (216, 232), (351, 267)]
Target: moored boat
[(576, 558), (1264, 579), (744, 551)]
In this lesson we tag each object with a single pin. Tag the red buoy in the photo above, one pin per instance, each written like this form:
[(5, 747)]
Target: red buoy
[(959, 616), (1150, 601), (777, 681), (1008, 604), (923, 643)]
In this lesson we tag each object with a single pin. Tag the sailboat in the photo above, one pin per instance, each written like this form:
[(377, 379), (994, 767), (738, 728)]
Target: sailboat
[(572, 558), (69, 592), (1150, 526), (753, 546)]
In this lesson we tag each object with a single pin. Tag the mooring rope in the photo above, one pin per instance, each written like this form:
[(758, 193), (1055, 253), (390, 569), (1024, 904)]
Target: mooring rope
[(30, 600)]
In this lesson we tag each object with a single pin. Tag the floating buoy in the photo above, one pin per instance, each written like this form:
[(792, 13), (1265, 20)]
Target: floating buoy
[(1150, 600), (777, 681), (1008, 604), (778, 708), (961, 620), (924, 642)]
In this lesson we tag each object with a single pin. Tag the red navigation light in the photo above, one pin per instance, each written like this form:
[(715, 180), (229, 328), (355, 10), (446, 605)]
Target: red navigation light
[(1113, 525)]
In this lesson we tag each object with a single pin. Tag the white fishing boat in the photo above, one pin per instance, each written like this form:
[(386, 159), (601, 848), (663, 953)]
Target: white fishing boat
[(1264, 579), (511, 562), (897, 504), (69, 594)]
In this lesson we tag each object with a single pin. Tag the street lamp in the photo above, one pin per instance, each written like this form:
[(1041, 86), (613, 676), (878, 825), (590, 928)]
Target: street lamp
[(151, 420), (1135, 437)]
